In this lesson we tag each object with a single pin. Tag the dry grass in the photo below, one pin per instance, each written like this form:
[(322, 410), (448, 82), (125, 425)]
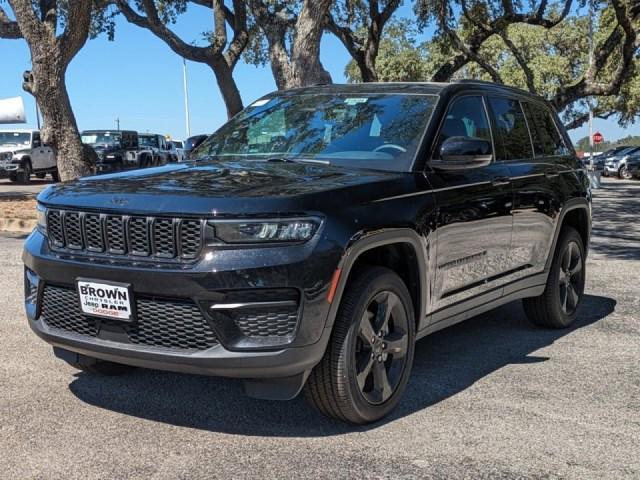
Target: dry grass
[(22, 209)]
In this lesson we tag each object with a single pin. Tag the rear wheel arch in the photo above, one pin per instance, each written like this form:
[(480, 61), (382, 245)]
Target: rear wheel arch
[(575, 214), (400, 250)]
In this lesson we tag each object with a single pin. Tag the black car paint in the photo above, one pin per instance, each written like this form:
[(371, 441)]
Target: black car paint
[(459, 227)]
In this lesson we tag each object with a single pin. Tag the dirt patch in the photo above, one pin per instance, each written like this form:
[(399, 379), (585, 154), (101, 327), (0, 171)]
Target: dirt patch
[(18, 209)]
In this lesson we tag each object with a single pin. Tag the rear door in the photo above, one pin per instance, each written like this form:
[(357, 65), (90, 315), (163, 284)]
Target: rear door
[(473, 214), (533, 155)]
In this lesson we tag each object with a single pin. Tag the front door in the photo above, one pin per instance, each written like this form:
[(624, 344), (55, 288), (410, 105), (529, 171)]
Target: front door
[(474, 221)]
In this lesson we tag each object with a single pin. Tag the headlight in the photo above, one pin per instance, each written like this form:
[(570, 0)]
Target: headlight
[(298, 230), (42, 218)]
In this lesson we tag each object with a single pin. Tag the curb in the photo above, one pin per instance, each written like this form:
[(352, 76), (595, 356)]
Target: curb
[(17, 225)]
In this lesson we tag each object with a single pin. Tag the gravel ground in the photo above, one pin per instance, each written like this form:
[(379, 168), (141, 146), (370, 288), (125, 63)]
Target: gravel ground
[(490, 398)]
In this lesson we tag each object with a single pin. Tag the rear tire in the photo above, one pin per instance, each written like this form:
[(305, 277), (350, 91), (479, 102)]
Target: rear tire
[(55, 176), (558, 306), (366, 367)]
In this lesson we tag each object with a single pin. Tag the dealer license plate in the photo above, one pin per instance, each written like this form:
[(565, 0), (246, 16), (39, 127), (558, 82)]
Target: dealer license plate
[(106, 299)]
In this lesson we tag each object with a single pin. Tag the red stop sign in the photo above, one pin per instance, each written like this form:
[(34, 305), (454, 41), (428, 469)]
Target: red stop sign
[(597, 137)]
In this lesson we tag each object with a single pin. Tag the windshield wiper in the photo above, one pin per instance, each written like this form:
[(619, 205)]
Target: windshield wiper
[(296, 160)]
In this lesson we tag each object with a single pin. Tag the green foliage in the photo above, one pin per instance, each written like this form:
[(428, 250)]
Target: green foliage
[(399, 60), (555, 57)]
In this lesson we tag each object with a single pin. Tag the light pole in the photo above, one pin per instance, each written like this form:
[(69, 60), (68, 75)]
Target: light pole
[(590, 101), (186, 96), (118, 123)]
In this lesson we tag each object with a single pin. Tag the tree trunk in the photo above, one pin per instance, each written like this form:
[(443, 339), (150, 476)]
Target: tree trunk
[(228, 87), (60, 130), (306, 68), (50, 56)]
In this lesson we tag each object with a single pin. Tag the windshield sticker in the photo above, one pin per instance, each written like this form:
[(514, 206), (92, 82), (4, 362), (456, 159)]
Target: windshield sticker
[(356, 100), (260, 103)]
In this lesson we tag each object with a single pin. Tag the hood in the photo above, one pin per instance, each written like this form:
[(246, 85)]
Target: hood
[(227, 188), (13, 148)]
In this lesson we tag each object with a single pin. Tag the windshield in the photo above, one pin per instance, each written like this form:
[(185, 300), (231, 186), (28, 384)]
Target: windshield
[(176, 144), (148, 140), (15, 138), (380, 131), (101, 138)]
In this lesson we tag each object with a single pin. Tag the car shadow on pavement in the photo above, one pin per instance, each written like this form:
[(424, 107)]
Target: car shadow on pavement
[(446, 363)]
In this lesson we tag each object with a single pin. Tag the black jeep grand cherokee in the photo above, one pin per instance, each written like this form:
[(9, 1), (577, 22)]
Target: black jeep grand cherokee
[(320, 233)]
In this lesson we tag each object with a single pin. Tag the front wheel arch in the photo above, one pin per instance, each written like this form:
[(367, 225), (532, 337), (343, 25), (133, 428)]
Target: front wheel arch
[(363, 252)]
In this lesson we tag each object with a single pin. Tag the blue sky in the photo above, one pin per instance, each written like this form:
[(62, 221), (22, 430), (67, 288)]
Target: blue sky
[(138, 79)]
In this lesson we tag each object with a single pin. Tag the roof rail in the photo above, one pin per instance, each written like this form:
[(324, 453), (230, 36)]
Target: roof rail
[(493, 84)]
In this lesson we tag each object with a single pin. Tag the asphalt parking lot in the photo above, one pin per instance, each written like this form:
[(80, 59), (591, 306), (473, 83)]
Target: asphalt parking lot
[(490, 398), (9, 189)]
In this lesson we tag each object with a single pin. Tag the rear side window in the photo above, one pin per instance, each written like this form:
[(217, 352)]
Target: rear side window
[(547, 141), (512, 136), (466, 117)]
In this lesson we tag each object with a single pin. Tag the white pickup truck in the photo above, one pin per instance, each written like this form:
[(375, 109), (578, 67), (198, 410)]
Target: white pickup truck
[(22, 154)]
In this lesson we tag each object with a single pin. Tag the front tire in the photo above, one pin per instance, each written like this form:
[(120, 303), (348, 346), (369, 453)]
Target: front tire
[(623, 173), (24, 175), (558, 306), (366, 367)]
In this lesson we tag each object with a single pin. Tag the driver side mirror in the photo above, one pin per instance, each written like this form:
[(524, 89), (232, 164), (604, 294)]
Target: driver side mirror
[(458, 153)]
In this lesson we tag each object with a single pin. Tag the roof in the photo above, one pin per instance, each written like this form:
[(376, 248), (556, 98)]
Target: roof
[(17, 130), (415, 88), (106, 130)]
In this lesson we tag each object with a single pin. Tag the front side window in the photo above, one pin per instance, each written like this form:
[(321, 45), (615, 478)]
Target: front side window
[(466, 117), (379, 131), (512, 136), (547, 141)]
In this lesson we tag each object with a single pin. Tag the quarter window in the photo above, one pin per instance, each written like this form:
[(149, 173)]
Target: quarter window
[(513, 141), (547, 141), (466, 118)]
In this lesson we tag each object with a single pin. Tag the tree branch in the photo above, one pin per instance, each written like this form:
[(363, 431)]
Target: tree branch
[(153, 23), (77, 28), (8, 28), (528, 73), (494, 26), (624, 37)]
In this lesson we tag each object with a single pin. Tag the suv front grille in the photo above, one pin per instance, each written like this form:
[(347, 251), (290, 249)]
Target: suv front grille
[(138, 236), (160, 322)]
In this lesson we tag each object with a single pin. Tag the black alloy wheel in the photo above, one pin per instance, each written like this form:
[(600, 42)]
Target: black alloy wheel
[(381, 349), (570, 278), (368, 360)]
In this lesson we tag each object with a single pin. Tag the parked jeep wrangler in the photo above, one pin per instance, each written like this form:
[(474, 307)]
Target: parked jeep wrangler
[(116, 150), (23, 154), (322, 231), (159, 148)]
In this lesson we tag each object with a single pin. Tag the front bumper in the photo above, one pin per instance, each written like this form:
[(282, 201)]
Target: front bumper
[(235, 273), (611, 169), (7, 168)]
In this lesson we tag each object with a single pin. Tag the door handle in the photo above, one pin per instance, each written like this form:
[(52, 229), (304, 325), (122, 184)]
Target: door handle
[(500, 181), (551, 175)]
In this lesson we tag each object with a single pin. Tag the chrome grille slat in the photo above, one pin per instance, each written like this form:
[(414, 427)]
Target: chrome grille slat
[(139, 237)]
